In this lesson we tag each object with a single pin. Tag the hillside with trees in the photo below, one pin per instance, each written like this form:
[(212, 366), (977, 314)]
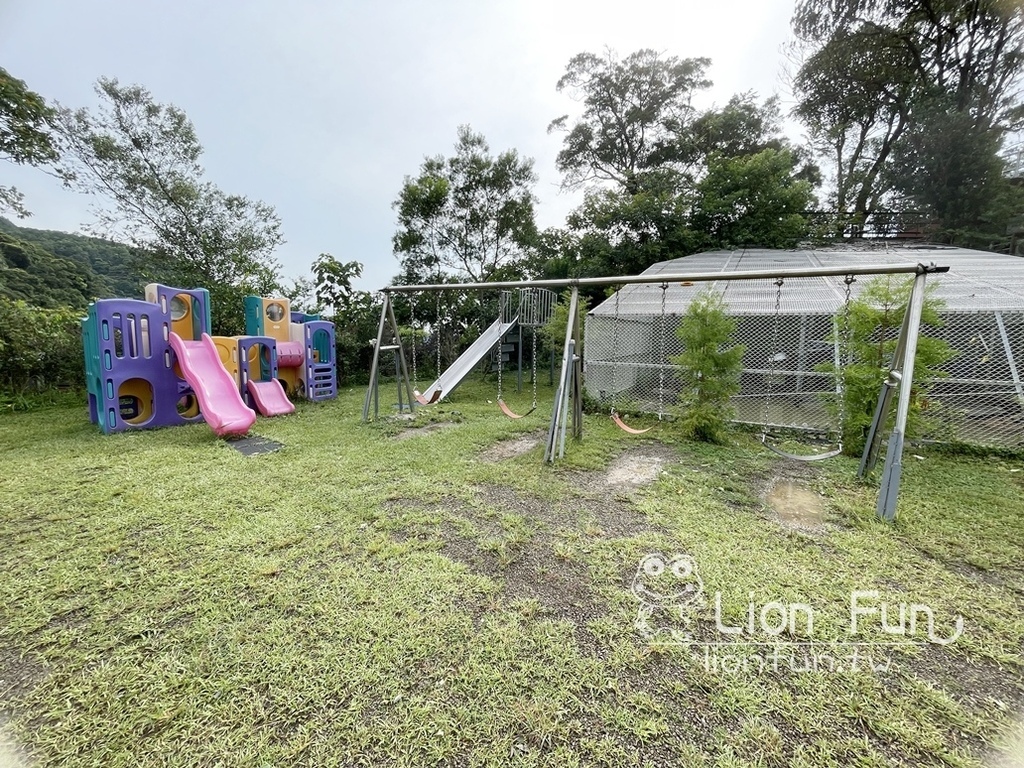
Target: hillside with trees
[(50, 268)]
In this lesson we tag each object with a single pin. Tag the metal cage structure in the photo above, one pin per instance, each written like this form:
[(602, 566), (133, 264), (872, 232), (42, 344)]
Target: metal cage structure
[(978, 401)]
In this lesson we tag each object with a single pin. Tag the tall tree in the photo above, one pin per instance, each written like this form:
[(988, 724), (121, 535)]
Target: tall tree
[(634, 111), (470, 214), (142, 157), (880, 83), (25, 136)]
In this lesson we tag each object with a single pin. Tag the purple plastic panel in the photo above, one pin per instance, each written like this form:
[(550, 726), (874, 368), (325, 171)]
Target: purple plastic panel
[(164, 294), (321, 375), (131, 337), (245, 372)]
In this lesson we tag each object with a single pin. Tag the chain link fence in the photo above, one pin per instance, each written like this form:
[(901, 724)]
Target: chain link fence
[(788, 379)]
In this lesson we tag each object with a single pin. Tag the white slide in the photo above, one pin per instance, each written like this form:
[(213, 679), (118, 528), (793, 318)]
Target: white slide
[(468, 360)]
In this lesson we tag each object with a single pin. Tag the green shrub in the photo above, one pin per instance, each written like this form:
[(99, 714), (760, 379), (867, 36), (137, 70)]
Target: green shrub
[(874, 322), (40, 349), (709, 368)]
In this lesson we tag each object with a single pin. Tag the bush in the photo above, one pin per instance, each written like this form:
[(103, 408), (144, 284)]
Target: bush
[(874, 323), (710, 368), (40, 349)]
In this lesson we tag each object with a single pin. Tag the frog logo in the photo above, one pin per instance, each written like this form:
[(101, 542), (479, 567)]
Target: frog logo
[(669, 588)]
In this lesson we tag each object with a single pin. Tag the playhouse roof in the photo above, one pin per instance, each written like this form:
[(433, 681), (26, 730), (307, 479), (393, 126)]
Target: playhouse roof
[(976, 281)]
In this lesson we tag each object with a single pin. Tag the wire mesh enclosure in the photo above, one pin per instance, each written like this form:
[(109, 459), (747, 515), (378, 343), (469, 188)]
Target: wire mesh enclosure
[(793, 340)]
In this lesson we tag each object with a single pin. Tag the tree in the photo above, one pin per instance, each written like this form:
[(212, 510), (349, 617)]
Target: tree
[(143, 157), (641, 151), (633, 113), (752, 200), (874, 321), (25, 137), (470, 214), (333, 278), (880, 81), (709, 367)]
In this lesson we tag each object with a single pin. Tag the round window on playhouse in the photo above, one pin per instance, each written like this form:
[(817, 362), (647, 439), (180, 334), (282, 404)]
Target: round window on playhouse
[(179, 307), (275, 312)]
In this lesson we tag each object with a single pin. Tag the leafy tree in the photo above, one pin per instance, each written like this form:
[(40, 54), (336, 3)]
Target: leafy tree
[(31, 274), (469, 214), (109, 268), (642, 151), (752, 200), (709, 367), (874, 323), (143, 157), (890, 87), (25, 136), (334, 282), (633, 113)]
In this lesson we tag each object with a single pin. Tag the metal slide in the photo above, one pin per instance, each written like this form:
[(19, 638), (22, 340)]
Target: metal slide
[(468, 360)]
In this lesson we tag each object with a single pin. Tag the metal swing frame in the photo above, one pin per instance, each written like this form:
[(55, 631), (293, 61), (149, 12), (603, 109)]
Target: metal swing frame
[(568, 405)]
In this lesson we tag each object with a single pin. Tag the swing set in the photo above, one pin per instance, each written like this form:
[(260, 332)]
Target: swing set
[(567, 413)]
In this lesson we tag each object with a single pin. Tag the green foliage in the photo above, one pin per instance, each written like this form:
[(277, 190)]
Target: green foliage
[(143, 157), (24, 134), (333, 278), (30, 274), (39, 348), (875, 318), (909, 101), (710, 367), (658, 175), (112, 268), (553, 332), (470, 214), (752, 200), (355, 328)]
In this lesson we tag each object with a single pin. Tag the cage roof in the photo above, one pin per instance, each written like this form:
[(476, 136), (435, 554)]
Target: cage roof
[(978, 281)]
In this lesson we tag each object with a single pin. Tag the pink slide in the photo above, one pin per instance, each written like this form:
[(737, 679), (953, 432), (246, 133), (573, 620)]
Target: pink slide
[(219, 400), (270, 398)]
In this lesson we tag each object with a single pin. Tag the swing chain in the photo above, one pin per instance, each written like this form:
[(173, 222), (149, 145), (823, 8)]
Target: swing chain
[(845, 342), (533, 364), (615, 352), (779, 282), (412, 320), (437, 335), (501, 344)]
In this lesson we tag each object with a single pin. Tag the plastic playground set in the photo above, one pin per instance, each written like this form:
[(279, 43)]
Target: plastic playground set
[(153, 363)]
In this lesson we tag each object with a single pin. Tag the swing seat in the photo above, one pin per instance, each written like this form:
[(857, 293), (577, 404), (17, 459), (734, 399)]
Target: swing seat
[(427, 401), (511, 414), (801, 457), (626, 428)]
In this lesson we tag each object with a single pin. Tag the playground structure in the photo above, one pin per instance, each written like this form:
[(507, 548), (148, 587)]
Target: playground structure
[(568, 402), (153, 363), (532, 311)]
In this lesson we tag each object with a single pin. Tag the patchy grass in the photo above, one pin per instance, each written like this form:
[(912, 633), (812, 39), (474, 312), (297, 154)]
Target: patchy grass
[(360, 599)]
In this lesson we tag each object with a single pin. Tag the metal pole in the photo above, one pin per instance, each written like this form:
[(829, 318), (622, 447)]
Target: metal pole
[(696, 277), (890, 489), (401, 359), (375, 365), (892, 381), (1009, 357), (562, 393)]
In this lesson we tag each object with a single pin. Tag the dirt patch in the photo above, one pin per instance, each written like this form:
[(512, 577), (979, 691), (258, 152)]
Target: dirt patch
[(18, 675), (797, 506), (424, 430), (638, 467), (510, 449)]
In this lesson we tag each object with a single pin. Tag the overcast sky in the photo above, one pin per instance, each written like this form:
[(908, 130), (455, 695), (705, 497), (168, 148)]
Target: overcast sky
[(321, 108)]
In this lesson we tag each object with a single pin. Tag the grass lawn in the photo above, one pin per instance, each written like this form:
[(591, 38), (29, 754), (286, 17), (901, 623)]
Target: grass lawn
[(430, 593)]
